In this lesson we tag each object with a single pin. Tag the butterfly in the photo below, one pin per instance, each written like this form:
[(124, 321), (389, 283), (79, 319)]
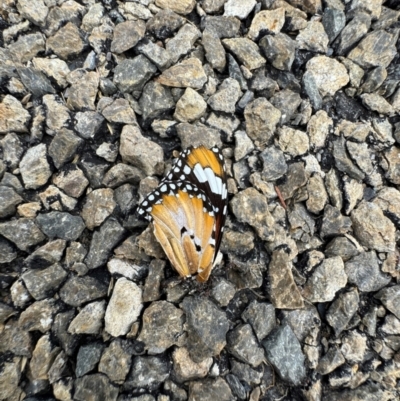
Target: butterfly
[(188, 210)]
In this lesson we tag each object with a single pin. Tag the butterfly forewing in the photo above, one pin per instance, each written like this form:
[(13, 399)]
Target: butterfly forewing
[(188, 210)]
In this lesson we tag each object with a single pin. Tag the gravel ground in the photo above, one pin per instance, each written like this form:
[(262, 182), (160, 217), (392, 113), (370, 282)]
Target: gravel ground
[(98, 98)]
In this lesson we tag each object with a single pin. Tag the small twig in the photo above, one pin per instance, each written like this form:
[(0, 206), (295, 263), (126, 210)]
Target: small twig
[(278, 192)]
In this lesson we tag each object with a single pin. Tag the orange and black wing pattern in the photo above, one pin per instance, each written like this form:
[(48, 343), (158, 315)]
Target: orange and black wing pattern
[(188, 211)]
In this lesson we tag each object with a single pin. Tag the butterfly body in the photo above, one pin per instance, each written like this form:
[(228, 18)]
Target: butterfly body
[(188, 211)]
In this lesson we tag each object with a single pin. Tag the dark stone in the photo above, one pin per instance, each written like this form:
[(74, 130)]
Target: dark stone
[(243, 345), (283, 351), (9, 200), (363, 271), (68, 341), (103, 242), (35, 81), (236, 73), (147, 372), (343, 161), (353, 32), (24, 233), (334, 223), (206, 326), (88, 357), (333, 21), (279, 50), (237, 388), (95, 387), (45, 282), (210, 389), (61, 225), (164, 24), (311, 89), (156, 99), (342, 310), (94, 168), (80, 290), (132, 74), (64, 146), (88, 124)]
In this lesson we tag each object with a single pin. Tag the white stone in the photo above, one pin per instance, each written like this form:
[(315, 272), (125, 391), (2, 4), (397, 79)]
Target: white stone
[(124, 307)]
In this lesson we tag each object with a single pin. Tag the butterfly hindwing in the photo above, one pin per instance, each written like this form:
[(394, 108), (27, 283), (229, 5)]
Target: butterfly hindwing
[(188, 210)]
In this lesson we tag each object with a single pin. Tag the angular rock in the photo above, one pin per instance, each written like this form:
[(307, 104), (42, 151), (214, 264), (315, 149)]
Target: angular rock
[(246, 51), (89, 320), (43, 283), (71, 180), (156, 54), (317, 195), (279, 50), (79, 290), (198, 134), (190, 107), (188, 73), (283, 351), (120, 112), (116, 360), (61, 225), (156, 99), (24, 233), (237, 8), (131, 75), (152, 286), (342, 310), (63, 147), (353, 32), (162, 325), (147, 372), (209, 388), (243, 345), (206, 326), (372, 228), (182, 42), (164, 24), (313, 38), (126, 35), (226, 96), (98, 206), (250, 207), (292, 141), (103, 242), (343, 161), (284, 292), (268, 20), (392, 157), (186, 369), (261, 119), (363, 270), (327, 278), (9, 200), (14, 118), (215, 52), (328, 73), (88, 357), (390, 297), (141, 152), (223, 291), (377, 49), (83, 92), (124, 307), (95, 387), (66, 42), (39, 316), (261, 316), (34, 167)]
